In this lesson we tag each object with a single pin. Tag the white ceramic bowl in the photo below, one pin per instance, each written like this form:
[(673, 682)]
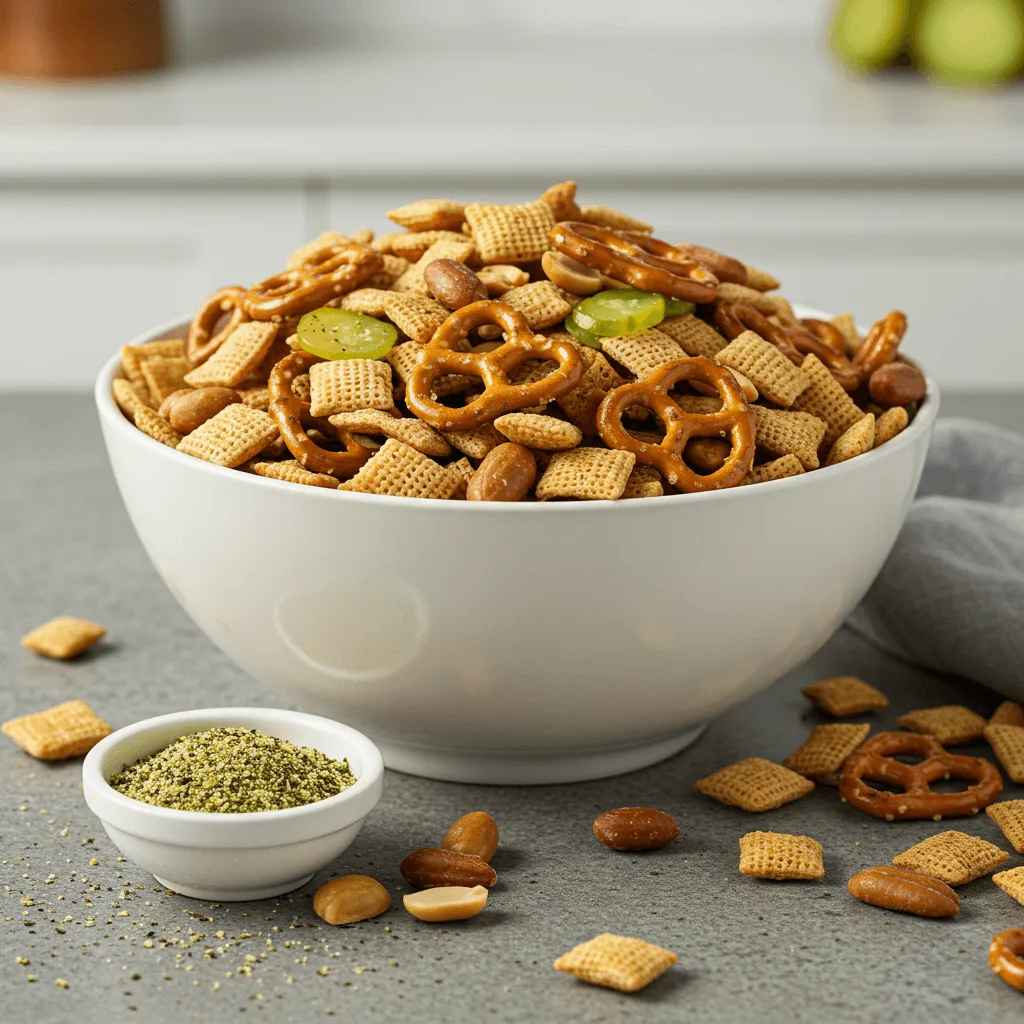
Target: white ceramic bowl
[(233, 856), (515, 643)]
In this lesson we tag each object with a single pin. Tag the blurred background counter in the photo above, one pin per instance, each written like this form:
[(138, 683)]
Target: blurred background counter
[(124, 202)]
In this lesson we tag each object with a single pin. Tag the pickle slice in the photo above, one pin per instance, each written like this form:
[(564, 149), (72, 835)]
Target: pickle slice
[(588, 338), (618, 311), (342, 334), (971, 42), (678, 307), (870, 34)]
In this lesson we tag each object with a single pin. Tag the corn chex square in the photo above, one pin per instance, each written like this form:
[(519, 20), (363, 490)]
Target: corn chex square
[(413, 280), (951, 724), (955, 858), (1008, 713), (779, 856), (153, 425), (615, 961), (292, 471), (325, 240), (127, 398), (540, 302), (348, 385), (413, 432), (890, 423), (1009, 816), (1008, 743), (857, 440), (590, 474), (429, 215), (562, 200), (1011, 882), (164, 375), (413, 245), (394, 267), (66, 730), (400, 470), (644, 482), (695, 336), (755, 784), (235, 435), (825, 750), (63, 637), (510, 234), (415, 315), (606, 217), (475, 443), (789, 433), (133, 357), (761, 280), (843, 696), (642, 353), (766, 367), (824, 397), (538, 431), (777, 469), (237, 358)]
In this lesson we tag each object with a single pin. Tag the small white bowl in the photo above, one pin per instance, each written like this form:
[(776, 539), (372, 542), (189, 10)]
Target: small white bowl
[(233, 856)]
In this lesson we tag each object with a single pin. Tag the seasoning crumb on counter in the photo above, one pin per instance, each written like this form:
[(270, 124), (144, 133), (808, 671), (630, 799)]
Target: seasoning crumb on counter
[(233, 770)]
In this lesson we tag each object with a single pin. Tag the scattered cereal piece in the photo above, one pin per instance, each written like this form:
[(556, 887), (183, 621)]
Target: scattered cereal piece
[(127, 398), (1008, 743), (540, 302), (349, 385), (237, 358), (777, 855), (952, 857), (562, 200), (235, 435), (1011, 882), (63, 637), (951, 724), (415, 315), (769, 370), (133, 357), (534, 431), (844, 323), (413, 432), (843, 696), (695, 336), (858, 440), (293, 472), (510, 234), (614, 961), (823, 397), (475, 443), (402, 471), (760, 280), (164, 375), (413, 245), (644, 482), (755, 785), (825, 750), (778, 469), (1008, 713), (66, 730), (890, 423), (369, 301), (153, 425), (606, 217), (642, 353), (586, 473), (430, 215), (257, 397), (394, 267), (789, 433), (1009, 816)]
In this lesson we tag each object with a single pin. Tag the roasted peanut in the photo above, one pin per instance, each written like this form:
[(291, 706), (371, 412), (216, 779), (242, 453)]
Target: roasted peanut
[(429, 868), (909, 891), (635, 828), (570, 274), (475, 833), (186, 410), (897, 384), (506, 474), (499, 278), (453, 284), (706, 454), (351, 898), (446, 903)]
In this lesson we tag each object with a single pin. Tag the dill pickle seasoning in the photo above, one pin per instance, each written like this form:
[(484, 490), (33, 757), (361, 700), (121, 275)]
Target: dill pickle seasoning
[(233, 770)]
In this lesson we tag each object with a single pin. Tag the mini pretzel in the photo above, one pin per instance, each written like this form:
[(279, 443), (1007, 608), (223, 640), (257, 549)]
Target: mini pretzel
[(292, 416), (639, 260), (202, 341), (733, 318), (499, 396), (725, 268), (875, 761), (326, 274), (1004, 957), (735, 416), (881, 344)]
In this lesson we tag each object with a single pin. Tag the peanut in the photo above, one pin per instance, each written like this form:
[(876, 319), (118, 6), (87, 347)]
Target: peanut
[(506, 474), (897, 384), (635, 828), (446, 903), (351, 898), (430, 868), (570, 274), (187, 410), (453, 284), (706, 454), (499, 278), (475, 833), (899, 889)]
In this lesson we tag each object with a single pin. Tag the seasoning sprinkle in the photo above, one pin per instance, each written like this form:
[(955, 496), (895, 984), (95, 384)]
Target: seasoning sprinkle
[(233, 770)]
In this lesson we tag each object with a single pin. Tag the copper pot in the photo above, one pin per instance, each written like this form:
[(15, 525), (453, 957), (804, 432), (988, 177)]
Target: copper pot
[(80, 38)]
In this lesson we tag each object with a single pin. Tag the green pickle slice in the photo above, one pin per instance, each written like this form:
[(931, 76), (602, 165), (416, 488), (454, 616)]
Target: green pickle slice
[(342, 334), (586, 337), (618, 311), (678, 307)]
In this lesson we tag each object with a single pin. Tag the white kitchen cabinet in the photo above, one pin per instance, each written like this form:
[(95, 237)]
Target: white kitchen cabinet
[(84, 269)]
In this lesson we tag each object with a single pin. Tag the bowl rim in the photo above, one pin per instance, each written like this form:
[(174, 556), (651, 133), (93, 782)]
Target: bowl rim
[(112, 418), (229, 830)]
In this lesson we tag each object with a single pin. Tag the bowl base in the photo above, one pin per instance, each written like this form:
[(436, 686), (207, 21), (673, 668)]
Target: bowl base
[(234, 895), (512, 768)]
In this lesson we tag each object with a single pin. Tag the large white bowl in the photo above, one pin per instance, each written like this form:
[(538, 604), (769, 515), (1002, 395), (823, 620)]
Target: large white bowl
[(515, 643)]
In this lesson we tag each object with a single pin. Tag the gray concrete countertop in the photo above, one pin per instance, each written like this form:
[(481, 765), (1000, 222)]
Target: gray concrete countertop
[(128, 950)]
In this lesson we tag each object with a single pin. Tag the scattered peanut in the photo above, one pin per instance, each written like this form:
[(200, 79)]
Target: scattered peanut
[(475, 833), (189, 409), (636, 828), (446, 903), (453, 284), (570, 274), (351, 898), (899, 889), (430, 868), (897, 384)]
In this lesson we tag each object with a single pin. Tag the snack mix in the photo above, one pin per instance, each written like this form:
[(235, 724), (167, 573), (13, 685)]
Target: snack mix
[(614, 364)]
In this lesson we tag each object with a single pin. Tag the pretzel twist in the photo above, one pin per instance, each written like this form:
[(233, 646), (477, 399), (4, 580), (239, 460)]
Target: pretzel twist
[(322, 276), (499, 396), (735, 418), (292, 416), (881, 344), (874, 761), (203, 337), (638, 260), (1004, 957)]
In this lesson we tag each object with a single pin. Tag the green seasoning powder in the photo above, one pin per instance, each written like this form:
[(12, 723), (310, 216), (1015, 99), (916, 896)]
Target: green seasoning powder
[(231, 771)]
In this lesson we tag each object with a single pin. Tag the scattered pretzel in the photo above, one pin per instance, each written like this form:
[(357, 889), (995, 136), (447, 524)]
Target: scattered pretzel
[(499, 396), (875, 761), (735, 417), (292, 416), (881, 344), (733, 318), (1004, 957), (326, 274), (638, 260), (202, 341)]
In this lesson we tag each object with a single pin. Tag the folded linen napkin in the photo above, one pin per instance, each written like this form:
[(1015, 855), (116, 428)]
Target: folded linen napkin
[(951, 595)]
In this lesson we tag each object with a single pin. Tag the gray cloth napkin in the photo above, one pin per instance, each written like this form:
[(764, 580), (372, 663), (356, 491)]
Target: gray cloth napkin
[(951, 595)]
